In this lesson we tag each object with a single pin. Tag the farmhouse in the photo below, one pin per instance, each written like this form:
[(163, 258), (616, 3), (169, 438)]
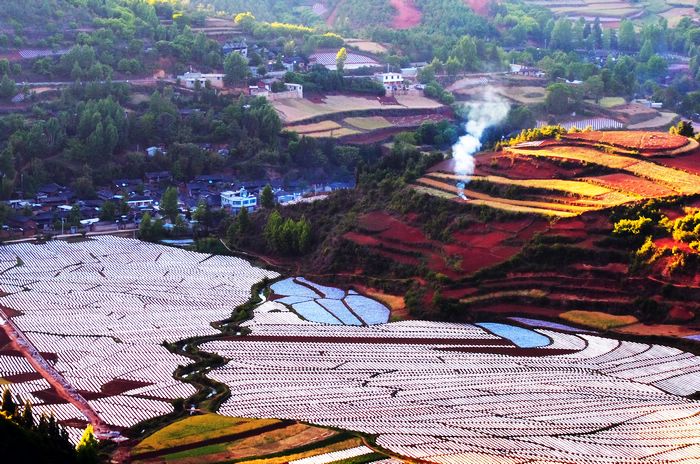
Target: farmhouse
[(190, 79), (237, 200), (235, 47), (139, 201), (390, 81)]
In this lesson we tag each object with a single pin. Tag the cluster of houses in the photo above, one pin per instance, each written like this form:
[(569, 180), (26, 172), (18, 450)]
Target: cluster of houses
[(53, 208), (277, 67)]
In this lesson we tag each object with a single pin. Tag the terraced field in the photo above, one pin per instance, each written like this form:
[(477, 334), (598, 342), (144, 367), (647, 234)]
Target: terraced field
[(367, 127), (622, 167), (488, 393)]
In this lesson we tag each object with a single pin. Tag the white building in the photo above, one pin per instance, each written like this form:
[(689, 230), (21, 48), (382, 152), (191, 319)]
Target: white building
[(190, 79), (237, 200), (391, 81)]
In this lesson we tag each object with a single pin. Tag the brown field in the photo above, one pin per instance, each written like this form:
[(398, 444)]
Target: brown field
[(316, 127), (559, 179), (632, 184), (333, 133), (526, 95), (631, 140), (367, 46), (368, 123), (667, 330), (295, 110), (663, 120)]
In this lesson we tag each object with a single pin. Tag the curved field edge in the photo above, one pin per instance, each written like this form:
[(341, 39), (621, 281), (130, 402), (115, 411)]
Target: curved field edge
[(212, 394)]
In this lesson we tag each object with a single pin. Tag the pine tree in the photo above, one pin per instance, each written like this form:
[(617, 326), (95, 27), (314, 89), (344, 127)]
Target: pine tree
[(168, 203), (9, 406), (27, 417), (267, 199)]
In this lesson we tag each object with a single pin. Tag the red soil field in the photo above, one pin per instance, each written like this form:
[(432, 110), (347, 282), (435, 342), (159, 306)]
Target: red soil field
[(361, 239), (376, 221), (399, 258), (689, 163), (334, 14), (480, 239), (480, 7), (119, 386), (520, 167), (633, 184), (680, 314), (20, 378), (407, 15), (404, 233), (633, 140), (50, 396)]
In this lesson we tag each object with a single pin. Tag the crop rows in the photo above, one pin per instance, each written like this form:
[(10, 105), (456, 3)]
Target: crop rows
[(582, 399)]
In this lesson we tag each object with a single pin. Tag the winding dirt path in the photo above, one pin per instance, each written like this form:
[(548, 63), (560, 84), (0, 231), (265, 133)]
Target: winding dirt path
[(22, 344)]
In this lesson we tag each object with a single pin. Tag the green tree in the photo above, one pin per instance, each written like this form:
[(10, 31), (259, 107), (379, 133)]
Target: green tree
[(168, 204), (627, 39), (562, 35), (684, 128), (108, 211), (465, 51), (557, 99), (145, 227), (9, 406), (243, 221), (27, 417), (74, 216), (236, 69), (595, 87), (8, 88), (267, 198)]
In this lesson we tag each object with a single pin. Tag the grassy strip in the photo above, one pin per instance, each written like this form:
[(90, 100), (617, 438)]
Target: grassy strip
[(364, 459), (598, 320), (196, 429), (333, 440)]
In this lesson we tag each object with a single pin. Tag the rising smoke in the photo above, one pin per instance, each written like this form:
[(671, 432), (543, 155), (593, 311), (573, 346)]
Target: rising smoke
[(490, 111)]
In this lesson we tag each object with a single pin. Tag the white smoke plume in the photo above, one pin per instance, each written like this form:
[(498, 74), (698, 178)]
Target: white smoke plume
[(491, 110)]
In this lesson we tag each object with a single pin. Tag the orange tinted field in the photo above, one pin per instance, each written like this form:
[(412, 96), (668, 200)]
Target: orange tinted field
[(641, 141), (629, 183), (578, 173)]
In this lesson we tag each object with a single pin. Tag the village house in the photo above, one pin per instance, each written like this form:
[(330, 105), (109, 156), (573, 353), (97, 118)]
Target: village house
[(237, 200), (240, 47), (191, 80), (391, 81)]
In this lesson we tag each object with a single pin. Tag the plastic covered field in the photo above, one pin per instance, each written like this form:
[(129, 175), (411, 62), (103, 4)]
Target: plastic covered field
[(524, 338), (329, 305)]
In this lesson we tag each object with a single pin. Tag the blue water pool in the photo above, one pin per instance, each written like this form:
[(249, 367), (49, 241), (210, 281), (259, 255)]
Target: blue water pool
[(523, 338)]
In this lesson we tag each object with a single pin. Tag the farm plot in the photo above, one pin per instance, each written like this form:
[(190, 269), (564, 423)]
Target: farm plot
[(367, 46), (679, 181), (368, 123), (633, 140), (297, 110), (99, 310), (329, 305), (456, 393), (581, 172)]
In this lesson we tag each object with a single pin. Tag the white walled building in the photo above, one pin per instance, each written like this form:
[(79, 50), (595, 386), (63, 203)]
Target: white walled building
[(391, 81), (237, 200), (190, 79)]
